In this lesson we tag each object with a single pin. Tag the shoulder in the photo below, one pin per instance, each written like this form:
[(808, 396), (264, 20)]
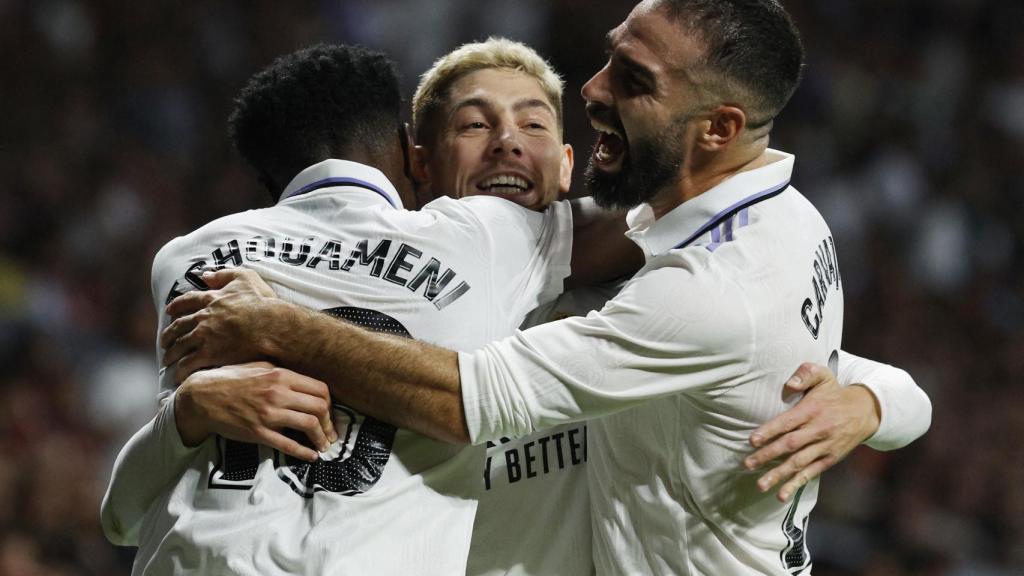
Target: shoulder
[(496, 217), (686, 295)]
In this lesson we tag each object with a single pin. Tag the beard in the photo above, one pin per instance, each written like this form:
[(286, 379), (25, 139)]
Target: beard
[(651, 164)]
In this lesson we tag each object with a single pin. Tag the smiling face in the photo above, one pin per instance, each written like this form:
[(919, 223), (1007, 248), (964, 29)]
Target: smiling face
[(499, 136), (645, 104)]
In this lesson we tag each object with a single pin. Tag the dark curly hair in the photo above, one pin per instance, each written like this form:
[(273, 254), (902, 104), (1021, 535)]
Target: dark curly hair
[(317, 103), (752, 44)]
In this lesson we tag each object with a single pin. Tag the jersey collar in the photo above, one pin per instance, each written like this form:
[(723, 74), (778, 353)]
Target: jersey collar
[(334, 173), (692, 219)]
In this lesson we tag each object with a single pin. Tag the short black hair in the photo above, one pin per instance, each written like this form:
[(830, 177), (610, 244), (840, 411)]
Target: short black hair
[(753, 43), (314, 104)]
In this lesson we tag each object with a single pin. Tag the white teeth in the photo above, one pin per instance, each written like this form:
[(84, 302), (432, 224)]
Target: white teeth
[(602, 154), (605, 129), (505, 180)]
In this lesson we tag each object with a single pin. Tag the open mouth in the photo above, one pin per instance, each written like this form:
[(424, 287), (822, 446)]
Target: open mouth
[(504, 185), (610, 150)]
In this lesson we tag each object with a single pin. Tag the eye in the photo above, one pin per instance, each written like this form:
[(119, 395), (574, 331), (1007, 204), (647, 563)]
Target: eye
[(535, 126), (475, 125), (633, 84)]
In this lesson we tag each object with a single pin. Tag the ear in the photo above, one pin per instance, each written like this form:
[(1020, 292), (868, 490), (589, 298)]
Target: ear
[(421, 176), (722, 128), (419, 165), (565, 170)]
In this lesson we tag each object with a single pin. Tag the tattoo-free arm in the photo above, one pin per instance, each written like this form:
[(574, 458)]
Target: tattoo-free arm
[(600, 249), (398, 380)]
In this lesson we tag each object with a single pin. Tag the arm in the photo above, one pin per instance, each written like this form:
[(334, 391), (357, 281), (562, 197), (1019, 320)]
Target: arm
[(600, 249), (422, 387), (151, 459), (405, 382), (834, 417), (249, 403), (905, 412)]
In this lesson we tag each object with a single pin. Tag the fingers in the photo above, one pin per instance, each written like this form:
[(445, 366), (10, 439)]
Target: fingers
[(305, 423), (189, 364), (790, 443), (190, 302), (177, 329), (221, 278), (320, 409), (809, 473), (285, 444), (318, 400), (807, 376), (782, 424), (796, 468), (181, 347)]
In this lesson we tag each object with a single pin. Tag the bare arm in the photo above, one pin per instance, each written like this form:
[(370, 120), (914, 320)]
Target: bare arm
[(600, 249), (398, 380)]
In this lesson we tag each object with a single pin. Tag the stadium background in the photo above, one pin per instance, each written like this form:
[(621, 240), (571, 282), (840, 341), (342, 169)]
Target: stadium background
[(909, 136)]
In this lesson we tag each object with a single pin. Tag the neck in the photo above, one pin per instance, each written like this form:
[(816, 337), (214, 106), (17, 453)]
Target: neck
[(698, 177)]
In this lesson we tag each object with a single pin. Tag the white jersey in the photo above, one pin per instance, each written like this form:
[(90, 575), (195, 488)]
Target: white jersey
[(389, 501), (740, 286), (534, 514)]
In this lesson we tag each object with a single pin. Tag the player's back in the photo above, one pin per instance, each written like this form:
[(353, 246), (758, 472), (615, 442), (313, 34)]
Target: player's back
[(383, 500)]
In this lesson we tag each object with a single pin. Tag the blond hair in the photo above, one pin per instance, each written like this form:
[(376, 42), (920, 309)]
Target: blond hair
[(495, 53)]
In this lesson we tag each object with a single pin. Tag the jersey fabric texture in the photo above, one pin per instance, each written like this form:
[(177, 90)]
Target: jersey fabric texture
[(534, 514), (740, 286), (384, 500)]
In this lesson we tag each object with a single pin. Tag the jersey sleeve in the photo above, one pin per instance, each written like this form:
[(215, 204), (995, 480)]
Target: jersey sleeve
[(906, 409), (165, 279), (152, 458), (155, 455), (646, 343)]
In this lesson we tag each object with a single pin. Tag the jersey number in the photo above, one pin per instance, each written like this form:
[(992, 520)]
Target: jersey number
[(356, 461)]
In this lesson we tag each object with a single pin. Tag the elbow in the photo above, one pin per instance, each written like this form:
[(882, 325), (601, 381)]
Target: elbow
[(926, 413), (457, 430), (112, 528)]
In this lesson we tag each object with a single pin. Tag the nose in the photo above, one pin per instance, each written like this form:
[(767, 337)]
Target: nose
[(506, 142), (596, 92)]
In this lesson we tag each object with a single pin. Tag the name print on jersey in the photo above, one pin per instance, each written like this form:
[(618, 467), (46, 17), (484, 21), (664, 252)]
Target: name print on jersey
[(538, 456), (401, 266), (824, 278)]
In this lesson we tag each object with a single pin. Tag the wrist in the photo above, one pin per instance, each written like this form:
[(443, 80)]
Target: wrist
[(187, 419), (871, 409), (278, 322)]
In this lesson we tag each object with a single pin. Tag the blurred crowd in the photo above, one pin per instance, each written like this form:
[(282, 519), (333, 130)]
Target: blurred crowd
[(909, 136)]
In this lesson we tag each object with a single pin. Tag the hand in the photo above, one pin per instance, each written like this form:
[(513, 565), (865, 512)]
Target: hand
[(220, 326), (828, 422), (253, 403)]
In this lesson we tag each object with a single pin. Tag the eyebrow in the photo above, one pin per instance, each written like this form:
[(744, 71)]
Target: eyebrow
[(533, 103), (635, 67), (517, 107)]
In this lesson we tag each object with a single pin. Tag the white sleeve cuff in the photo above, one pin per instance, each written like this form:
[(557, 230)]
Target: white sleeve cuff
[(906, 411)]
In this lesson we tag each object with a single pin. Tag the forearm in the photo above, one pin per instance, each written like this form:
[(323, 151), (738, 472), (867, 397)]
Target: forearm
[(600, 249), (905, 410), (398, 380), (152, 458)]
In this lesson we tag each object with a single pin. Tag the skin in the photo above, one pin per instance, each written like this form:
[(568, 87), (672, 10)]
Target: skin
[(498, 122), (650, 81)]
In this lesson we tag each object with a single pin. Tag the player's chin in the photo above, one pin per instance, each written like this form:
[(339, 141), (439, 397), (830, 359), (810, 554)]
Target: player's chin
[(531, 199)]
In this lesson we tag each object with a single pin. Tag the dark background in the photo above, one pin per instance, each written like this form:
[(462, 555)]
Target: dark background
[(908, 133)]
